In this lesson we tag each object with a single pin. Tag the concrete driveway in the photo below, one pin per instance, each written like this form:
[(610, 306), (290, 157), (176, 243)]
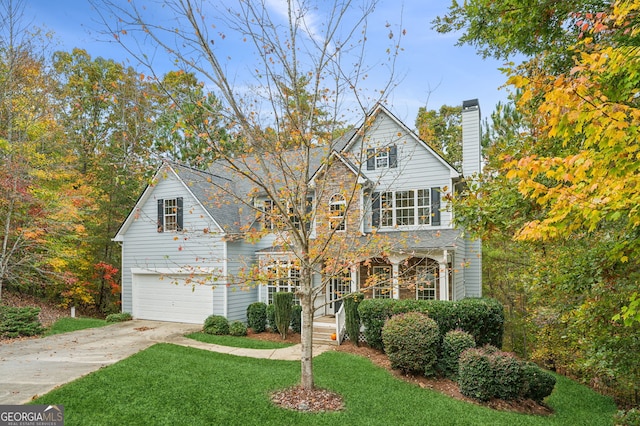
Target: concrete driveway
[(30, 368)]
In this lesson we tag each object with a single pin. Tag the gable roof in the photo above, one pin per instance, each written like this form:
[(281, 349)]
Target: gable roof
[(193, 190), (381, 109)]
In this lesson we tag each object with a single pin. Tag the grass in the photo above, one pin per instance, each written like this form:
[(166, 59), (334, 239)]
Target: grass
[(67, 324), (168, 384), (237, 341)]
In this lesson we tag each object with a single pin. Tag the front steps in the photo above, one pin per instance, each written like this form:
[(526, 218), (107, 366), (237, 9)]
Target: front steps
[(323, 328)]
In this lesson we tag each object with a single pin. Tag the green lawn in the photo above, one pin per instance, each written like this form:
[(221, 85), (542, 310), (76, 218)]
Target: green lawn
[(67, 324), (174, 385), (236, 341)]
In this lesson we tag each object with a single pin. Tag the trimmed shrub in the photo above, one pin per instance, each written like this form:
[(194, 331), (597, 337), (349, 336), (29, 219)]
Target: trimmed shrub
[(216, 324), (257, 317), (475, 374), (296, 318), (411, 342), (537, 383), (453, 344), (16, 322), (271, 318), (482, 318), (120, 317), (237, 328), (352, 319), (282, 302)]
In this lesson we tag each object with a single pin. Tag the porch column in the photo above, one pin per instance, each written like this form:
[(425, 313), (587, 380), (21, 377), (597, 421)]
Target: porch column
[(395, 272), (444, 277), (353, 270)]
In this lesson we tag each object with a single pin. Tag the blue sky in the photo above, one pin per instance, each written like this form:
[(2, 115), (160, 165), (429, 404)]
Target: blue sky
[(432, 69)]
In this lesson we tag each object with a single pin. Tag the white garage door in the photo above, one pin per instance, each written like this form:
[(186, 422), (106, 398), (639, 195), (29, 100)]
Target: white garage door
[(166, 299)]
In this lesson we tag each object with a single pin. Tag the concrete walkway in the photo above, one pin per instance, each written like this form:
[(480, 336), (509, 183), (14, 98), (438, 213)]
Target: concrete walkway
[(30, 368)]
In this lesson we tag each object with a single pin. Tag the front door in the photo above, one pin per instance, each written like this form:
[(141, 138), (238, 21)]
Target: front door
[(338, 288)]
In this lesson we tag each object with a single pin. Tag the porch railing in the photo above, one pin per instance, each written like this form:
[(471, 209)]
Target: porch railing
[(340, 324)]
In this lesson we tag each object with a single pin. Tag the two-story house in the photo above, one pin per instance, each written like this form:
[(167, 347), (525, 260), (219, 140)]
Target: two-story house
[(183, 249)]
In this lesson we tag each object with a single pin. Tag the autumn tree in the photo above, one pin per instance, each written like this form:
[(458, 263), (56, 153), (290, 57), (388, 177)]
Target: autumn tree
[(106, 112), (572, 175), (29, 153), (305, 66)]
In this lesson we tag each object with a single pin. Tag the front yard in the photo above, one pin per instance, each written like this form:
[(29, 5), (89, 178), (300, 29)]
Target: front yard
[(168, 384)]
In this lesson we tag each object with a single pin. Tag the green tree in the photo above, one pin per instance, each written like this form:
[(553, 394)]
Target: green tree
[(442, 131)]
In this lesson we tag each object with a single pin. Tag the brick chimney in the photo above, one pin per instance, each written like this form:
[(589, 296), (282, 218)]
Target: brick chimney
[(471, 151)]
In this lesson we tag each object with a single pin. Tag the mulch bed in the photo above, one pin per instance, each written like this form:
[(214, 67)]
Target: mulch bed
[(321, 400)]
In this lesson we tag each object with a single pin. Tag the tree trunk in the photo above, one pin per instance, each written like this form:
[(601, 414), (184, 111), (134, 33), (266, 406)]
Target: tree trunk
[(306, 338)]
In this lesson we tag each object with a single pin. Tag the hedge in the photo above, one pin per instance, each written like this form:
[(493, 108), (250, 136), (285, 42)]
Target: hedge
[(453, 344), (352, 319), (483, 318), (216, 324)]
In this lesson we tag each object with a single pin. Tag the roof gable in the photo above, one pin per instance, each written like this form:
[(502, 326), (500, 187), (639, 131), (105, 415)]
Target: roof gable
[(164, 170), (374, 114)]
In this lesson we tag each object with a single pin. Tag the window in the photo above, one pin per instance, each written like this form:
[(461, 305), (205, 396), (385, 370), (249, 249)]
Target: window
[(283, 276), (270, 217), (170, 215), (382, 158), (267, 217), (406, 208), (382, 288), (426, 281), (337, 207)]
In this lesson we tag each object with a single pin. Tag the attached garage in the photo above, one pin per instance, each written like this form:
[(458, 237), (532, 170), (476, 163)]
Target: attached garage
[(161, 298)]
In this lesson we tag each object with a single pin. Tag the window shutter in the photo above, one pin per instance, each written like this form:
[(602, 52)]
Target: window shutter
[(393, 157), (308, 216), (179, 215), (375, 209), (371, 159), (160, 215), (435, 206)]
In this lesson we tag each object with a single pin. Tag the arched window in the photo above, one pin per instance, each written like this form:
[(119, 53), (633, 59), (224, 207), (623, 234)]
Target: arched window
[(337, 209)]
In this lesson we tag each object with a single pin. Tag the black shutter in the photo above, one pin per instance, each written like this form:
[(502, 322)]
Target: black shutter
[(435, 206), (161, 215), (371, 159), (308, 209), (393, 157), (375, 209), (179, 215)]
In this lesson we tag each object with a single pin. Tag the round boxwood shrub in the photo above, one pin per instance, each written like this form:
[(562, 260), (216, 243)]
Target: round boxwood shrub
[(453, 344), (537, 383), (257, 317), (296, 318), (216, 324), (237, 328), (411, 342)]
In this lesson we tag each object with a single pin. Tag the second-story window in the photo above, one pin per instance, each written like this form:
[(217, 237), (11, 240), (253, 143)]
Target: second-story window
[(170, 214), (382, 158), (337, 208), (406, 208)]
